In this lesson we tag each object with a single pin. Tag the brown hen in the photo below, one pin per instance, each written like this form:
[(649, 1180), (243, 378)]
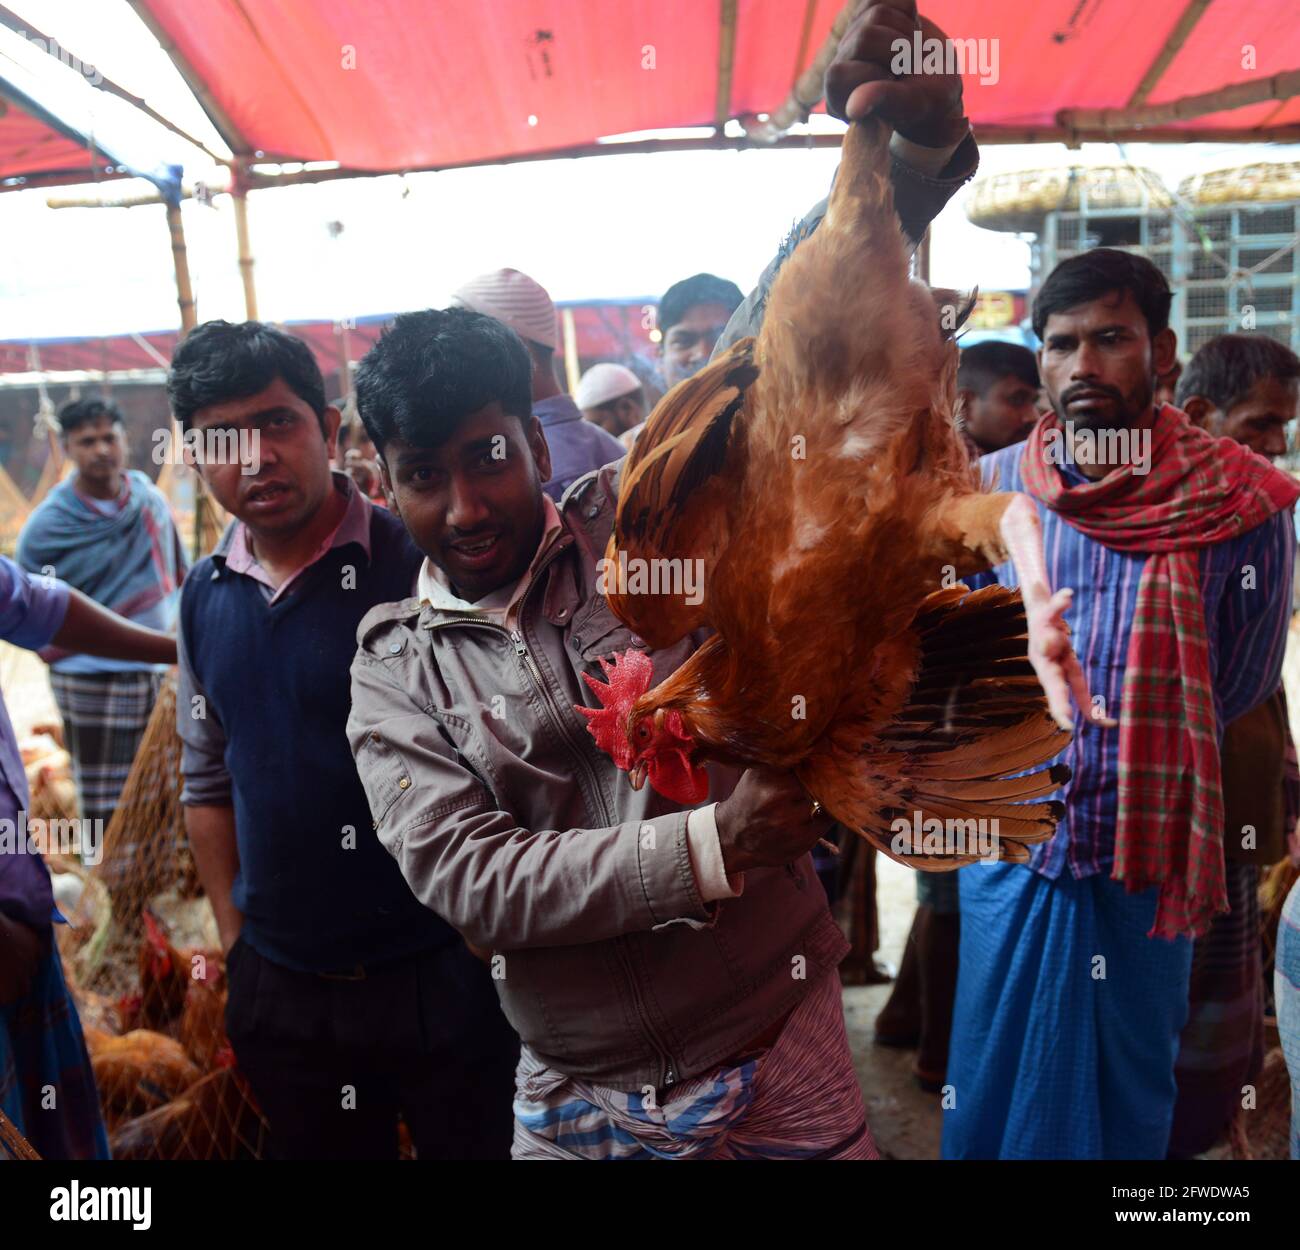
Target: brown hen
[(816, 477)]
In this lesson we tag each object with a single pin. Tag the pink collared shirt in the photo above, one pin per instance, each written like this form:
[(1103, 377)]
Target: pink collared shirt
[(353, 527)]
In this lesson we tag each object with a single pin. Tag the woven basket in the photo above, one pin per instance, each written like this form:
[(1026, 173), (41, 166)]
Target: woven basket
[(1265, 182), (1019, 201)]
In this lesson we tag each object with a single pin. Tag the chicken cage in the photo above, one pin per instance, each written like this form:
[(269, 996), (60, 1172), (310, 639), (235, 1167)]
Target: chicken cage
[(143, 963)]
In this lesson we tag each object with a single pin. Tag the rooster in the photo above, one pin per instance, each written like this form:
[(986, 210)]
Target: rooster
[(137, 1072), (201, 1029), (817, 477), (164, 976), (215, 1118)]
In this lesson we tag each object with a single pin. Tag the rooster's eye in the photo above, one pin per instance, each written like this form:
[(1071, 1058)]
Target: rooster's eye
[(643, 731)]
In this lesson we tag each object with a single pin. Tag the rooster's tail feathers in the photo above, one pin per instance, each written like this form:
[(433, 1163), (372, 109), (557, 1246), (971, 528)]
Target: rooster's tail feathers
[(971, 749)]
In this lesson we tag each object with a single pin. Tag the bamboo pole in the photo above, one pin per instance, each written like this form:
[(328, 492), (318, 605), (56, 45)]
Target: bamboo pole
[(132, 199), (572, 370), (1277, 87), (726, 63), (1172, 46), (239, 194), (805, 38), (189, 318), (809, 86), (987, 135), (180, 260)]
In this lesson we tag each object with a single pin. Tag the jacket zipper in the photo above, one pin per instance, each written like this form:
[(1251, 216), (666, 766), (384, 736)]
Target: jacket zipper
[(667, 1067)]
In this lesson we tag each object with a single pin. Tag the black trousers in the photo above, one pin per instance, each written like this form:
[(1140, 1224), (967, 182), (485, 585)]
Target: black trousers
[(334, 1062)]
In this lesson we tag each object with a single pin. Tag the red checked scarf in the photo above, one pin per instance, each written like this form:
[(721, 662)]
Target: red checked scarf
[(1200, 490)]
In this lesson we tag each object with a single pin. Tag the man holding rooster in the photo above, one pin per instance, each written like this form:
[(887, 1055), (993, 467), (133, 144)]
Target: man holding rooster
[(671, 973)]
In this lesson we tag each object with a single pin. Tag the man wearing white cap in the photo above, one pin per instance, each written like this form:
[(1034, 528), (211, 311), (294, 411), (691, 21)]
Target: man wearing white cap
[(611, 397), (576, 446)]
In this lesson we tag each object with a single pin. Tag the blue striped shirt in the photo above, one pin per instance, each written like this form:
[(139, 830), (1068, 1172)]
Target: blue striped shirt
[(1246, 618)]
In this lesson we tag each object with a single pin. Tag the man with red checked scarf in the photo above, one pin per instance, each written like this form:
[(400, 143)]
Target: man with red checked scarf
[(1073, 981)]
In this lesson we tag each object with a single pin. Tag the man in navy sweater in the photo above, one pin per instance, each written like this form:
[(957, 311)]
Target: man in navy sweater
[(349, 1003)]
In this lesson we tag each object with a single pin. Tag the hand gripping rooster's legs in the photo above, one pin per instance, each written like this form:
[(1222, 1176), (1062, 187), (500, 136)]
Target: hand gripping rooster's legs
[(816, 476)]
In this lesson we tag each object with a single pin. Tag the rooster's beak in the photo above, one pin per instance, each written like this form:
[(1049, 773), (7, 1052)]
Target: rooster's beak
[(636, 774)]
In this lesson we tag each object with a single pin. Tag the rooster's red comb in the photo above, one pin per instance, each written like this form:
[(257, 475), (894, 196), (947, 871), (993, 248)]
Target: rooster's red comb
[(629, 678)]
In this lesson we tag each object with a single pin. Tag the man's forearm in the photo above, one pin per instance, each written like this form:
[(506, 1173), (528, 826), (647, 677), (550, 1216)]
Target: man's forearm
[(211, 832), (90, 629)]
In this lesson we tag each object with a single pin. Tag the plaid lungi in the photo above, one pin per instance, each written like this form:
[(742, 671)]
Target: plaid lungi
[(104, 718), (1222, 1045), (798, 1100), (47, 1087)]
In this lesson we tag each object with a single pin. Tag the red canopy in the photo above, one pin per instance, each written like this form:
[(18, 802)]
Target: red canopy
[(402, 84), (56, 129), (612, 330), (31, 145)]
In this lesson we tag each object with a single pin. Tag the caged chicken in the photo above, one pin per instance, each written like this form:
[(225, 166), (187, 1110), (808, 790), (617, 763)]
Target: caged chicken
[(137, 1072), (816, 476)]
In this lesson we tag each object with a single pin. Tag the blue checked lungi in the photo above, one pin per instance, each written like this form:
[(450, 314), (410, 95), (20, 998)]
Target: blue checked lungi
[(798, 1100), (1050, 1060), (1286, 992)]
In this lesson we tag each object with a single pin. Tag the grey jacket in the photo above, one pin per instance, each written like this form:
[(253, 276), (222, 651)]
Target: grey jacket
[(510, 823)]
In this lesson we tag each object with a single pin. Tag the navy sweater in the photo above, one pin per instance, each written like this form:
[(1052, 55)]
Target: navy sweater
[(317, 891)]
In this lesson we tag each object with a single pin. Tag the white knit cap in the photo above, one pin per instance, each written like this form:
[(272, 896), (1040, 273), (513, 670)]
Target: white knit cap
[(601, 383), (514, 299)]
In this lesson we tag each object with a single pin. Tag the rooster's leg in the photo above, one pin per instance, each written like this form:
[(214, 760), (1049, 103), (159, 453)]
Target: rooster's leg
[(973, 532)]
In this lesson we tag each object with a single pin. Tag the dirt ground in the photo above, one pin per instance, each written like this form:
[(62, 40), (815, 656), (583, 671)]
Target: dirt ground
[(904, 1119)]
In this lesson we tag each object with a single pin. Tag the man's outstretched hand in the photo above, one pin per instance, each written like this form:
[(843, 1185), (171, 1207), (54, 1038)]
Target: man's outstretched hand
[(1050, 651), (923, 108)]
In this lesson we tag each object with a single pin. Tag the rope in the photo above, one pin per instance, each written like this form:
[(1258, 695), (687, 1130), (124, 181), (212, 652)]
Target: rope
[(14, 1142)]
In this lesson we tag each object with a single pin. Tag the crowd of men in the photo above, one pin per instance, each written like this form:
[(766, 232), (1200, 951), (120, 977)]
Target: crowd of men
[(433, 891)]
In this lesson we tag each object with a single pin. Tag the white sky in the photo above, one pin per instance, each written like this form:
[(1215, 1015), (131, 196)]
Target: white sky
[(602, 227)]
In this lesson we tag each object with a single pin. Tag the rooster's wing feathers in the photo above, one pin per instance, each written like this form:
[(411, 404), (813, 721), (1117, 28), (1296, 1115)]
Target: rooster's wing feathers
[(677, 484), (969, 744)]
